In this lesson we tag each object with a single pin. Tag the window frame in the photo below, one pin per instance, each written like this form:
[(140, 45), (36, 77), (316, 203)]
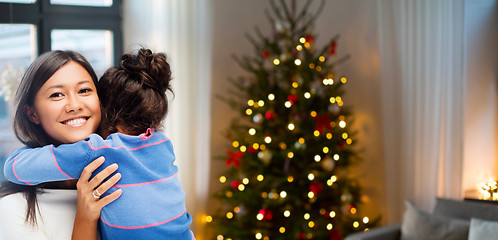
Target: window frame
[(47, 17)]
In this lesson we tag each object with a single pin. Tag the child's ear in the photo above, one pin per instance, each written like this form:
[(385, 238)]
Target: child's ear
[(31, 113)]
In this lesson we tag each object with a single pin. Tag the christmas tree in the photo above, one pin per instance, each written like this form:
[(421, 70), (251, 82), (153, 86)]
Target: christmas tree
[(290, 150)]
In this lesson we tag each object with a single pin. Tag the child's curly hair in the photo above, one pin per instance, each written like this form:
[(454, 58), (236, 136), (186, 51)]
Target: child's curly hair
[(133, 95)]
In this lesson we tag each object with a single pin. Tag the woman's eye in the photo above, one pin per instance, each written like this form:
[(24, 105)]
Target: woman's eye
[(56, 95), (85, 90)]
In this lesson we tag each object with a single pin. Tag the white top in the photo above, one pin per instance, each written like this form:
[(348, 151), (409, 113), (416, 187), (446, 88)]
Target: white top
[(55, 219)]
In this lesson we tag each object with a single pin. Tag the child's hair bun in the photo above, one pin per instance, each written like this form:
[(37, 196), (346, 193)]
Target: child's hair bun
[(133, 95), (150, 69)]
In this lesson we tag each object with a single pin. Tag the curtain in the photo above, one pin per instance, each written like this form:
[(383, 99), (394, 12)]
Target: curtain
[(423, 88), (188, 32)]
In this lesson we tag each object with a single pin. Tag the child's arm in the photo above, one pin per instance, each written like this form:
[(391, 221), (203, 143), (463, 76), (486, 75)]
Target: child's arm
[(31, 166)]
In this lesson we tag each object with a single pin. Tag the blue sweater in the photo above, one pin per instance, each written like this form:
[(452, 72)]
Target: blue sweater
[(152, 205)]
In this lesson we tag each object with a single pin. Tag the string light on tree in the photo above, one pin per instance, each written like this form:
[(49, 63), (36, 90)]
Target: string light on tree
[(311, 176), (287, 213), (223, 179), (260, 178), (328, 81)]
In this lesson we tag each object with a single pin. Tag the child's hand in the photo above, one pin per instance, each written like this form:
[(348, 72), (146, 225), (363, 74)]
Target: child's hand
[(89, 203)]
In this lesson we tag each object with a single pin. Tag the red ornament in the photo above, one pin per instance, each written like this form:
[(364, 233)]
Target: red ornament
[(333, 46), (270, 115), (235, 184), (316, 187), (342, 144), (234, 158), (266, 54), (335, 234), (326, 213), (301, 236), (267, 214), (309, 38), (252, 150), (322, 123), (292, 99)]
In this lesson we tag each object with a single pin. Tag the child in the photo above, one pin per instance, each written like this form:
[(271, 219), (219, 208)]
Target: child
[(133, 102)]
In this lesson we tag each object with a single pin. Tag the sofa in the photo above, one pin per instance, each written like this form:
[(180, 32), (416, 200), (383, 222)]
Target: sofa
[(450, 219)]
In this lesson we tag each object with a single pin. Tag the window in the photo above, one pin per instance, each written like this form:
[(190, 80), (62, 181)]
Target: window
[(31, 27), (18, 1), (95, 3), (95, 45)]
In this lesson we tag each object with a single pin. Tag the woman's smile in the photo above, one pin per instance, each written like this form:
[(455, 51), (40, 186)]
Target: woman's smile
[(75, 122)]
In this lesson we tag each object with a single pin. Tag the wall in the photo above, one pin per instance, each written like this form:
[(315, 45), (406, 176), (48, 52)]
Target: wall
[(356, 23), (480, 142)]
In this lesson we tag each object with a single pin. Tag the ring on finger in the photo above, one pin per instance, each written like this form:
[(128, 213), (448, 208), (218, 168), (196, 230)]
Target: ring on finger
[(96, 194)]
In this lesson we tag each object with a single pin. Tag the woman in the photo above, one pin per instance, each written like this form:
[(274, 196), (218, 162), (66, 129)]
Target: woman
[(56, 103)]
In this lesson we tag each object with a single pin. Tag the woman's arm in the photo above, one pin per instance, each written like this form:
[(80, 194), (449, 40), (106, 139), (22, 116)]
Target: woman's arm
[(88, 206)]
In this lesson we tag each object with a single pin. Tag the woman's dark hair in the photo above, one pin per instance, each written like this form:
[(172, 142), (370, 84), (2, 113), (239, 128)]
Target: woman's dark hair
[(133, 95), (26, 131)]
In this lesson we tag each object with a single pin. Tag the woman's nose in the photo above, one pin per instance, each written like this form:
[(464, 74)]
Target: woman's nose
[(73, 104)]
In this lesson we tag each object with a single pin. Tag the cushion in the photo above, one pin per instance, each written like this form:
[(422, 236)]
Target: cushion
[(420, 225), (482, 229), (466, 209)]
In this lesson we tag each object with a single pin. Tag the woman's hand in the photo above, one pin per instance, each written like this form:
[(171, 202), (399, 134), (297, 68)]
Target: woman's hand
[(89, 203)]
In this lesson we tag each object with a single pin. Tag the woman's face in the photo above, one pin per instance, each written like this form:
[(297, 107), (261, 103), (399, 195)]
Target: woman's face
[(67, 105)]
